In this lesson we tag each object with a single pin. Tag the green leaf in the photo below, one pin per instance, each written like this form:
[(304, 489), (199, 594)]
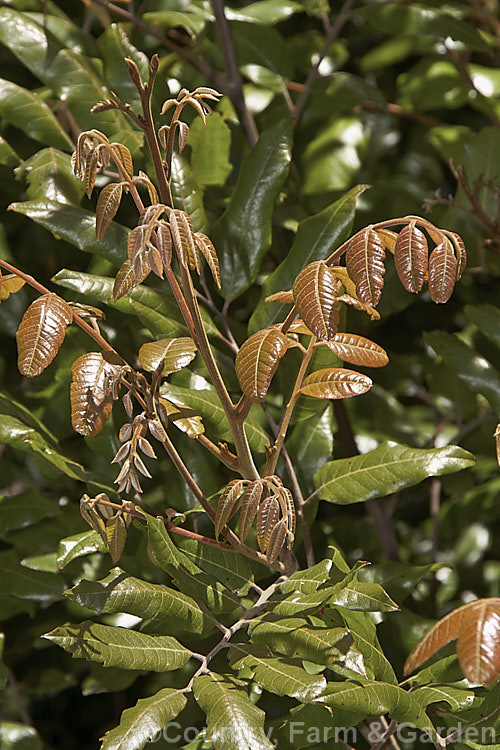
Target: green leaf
[(27, 111), (423, 20), (168, 19), (49, 175), (316, 238), (233, 720), (266, 12), (480, 162), (186, 574), (8, 157), (119, 592), (310, 445), (295, 637), (308, 581), (144, 722), (373, 699), (479, 374), (17, 736), (23, 438), (333, 159), (77, 226), (232, 570), (263, 55), (363, 597), (3, 668), (457, 698), (279, 676), (364, 636), (26, 509), (243, 234), (210, 147), (187, 194), (398, 579), (206, 403), (78, 545), (154, 309), (120, 647), (388, 468), (432, 84), (31, 585), (487, 319)]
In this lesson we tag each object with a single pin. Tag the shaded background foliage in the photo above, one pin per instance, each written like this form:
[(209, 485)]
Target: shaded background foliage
[(402, 89)]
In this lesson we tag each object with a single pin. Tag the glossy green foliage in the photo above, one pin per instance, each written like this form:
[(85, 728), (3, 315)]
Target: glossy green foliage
[(195, 640)]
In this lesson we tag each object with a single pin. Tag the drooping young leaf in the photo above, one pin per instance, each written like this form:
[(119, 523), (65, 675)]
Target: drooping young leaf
[(41, 333), (233, 720), (442, 272), (108, 204), (91, 398), (335, 382), (120, 592), (460, 252), (388, 468), (315, 294), (144, 722), (249, 506), (175, 354), (127, 278), (227, 505), (267, 518), (358, 350), (116, 536), (365, 265), (120, 647), (477, 627), (207, 249), (281, 676), (411, 257), (257, 361), (243, 234)]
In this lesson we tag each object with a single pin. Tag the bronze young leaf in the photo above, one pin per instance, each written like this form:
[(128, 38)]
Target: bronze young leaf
[(41, 333), (315, 294), (175, 354), (365, 264), (258, 360), (107, 206), (335, 383), (91, 392), (477, 627), (442, 272), (411, 257), (358, 350)]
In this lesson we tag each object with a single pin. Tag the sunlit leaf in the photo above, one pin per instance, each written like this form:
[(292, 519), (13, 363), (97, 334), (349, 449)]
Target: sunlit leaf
[(107, 206), (207, 249), (365, 264), (144, 722), (78, 545), (120, 647), (186, 420), (91, 398), (175, 354), (233, 720), (258, 360), (127, 278), (477, 627), (411, 257), (358, 350), (442, 272), (41, 333), (335, 382), (386, 469), (315, 294)]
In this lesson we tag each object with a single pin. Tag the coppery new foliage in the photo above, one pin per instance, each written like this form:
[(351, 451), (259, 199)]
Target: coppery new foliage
[(164, 243)]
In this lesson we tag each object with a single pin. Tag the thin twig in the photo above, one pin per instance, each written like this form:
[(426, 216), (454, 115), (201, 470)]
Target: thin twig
[(234, 86), (333, 32)]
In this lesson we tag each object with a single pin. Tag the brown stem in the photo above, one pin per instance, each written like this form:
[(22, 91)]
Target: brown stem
[(76, 318), (273, 455), (297, 491), (332, 34), (234, 86), (196, 62)]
